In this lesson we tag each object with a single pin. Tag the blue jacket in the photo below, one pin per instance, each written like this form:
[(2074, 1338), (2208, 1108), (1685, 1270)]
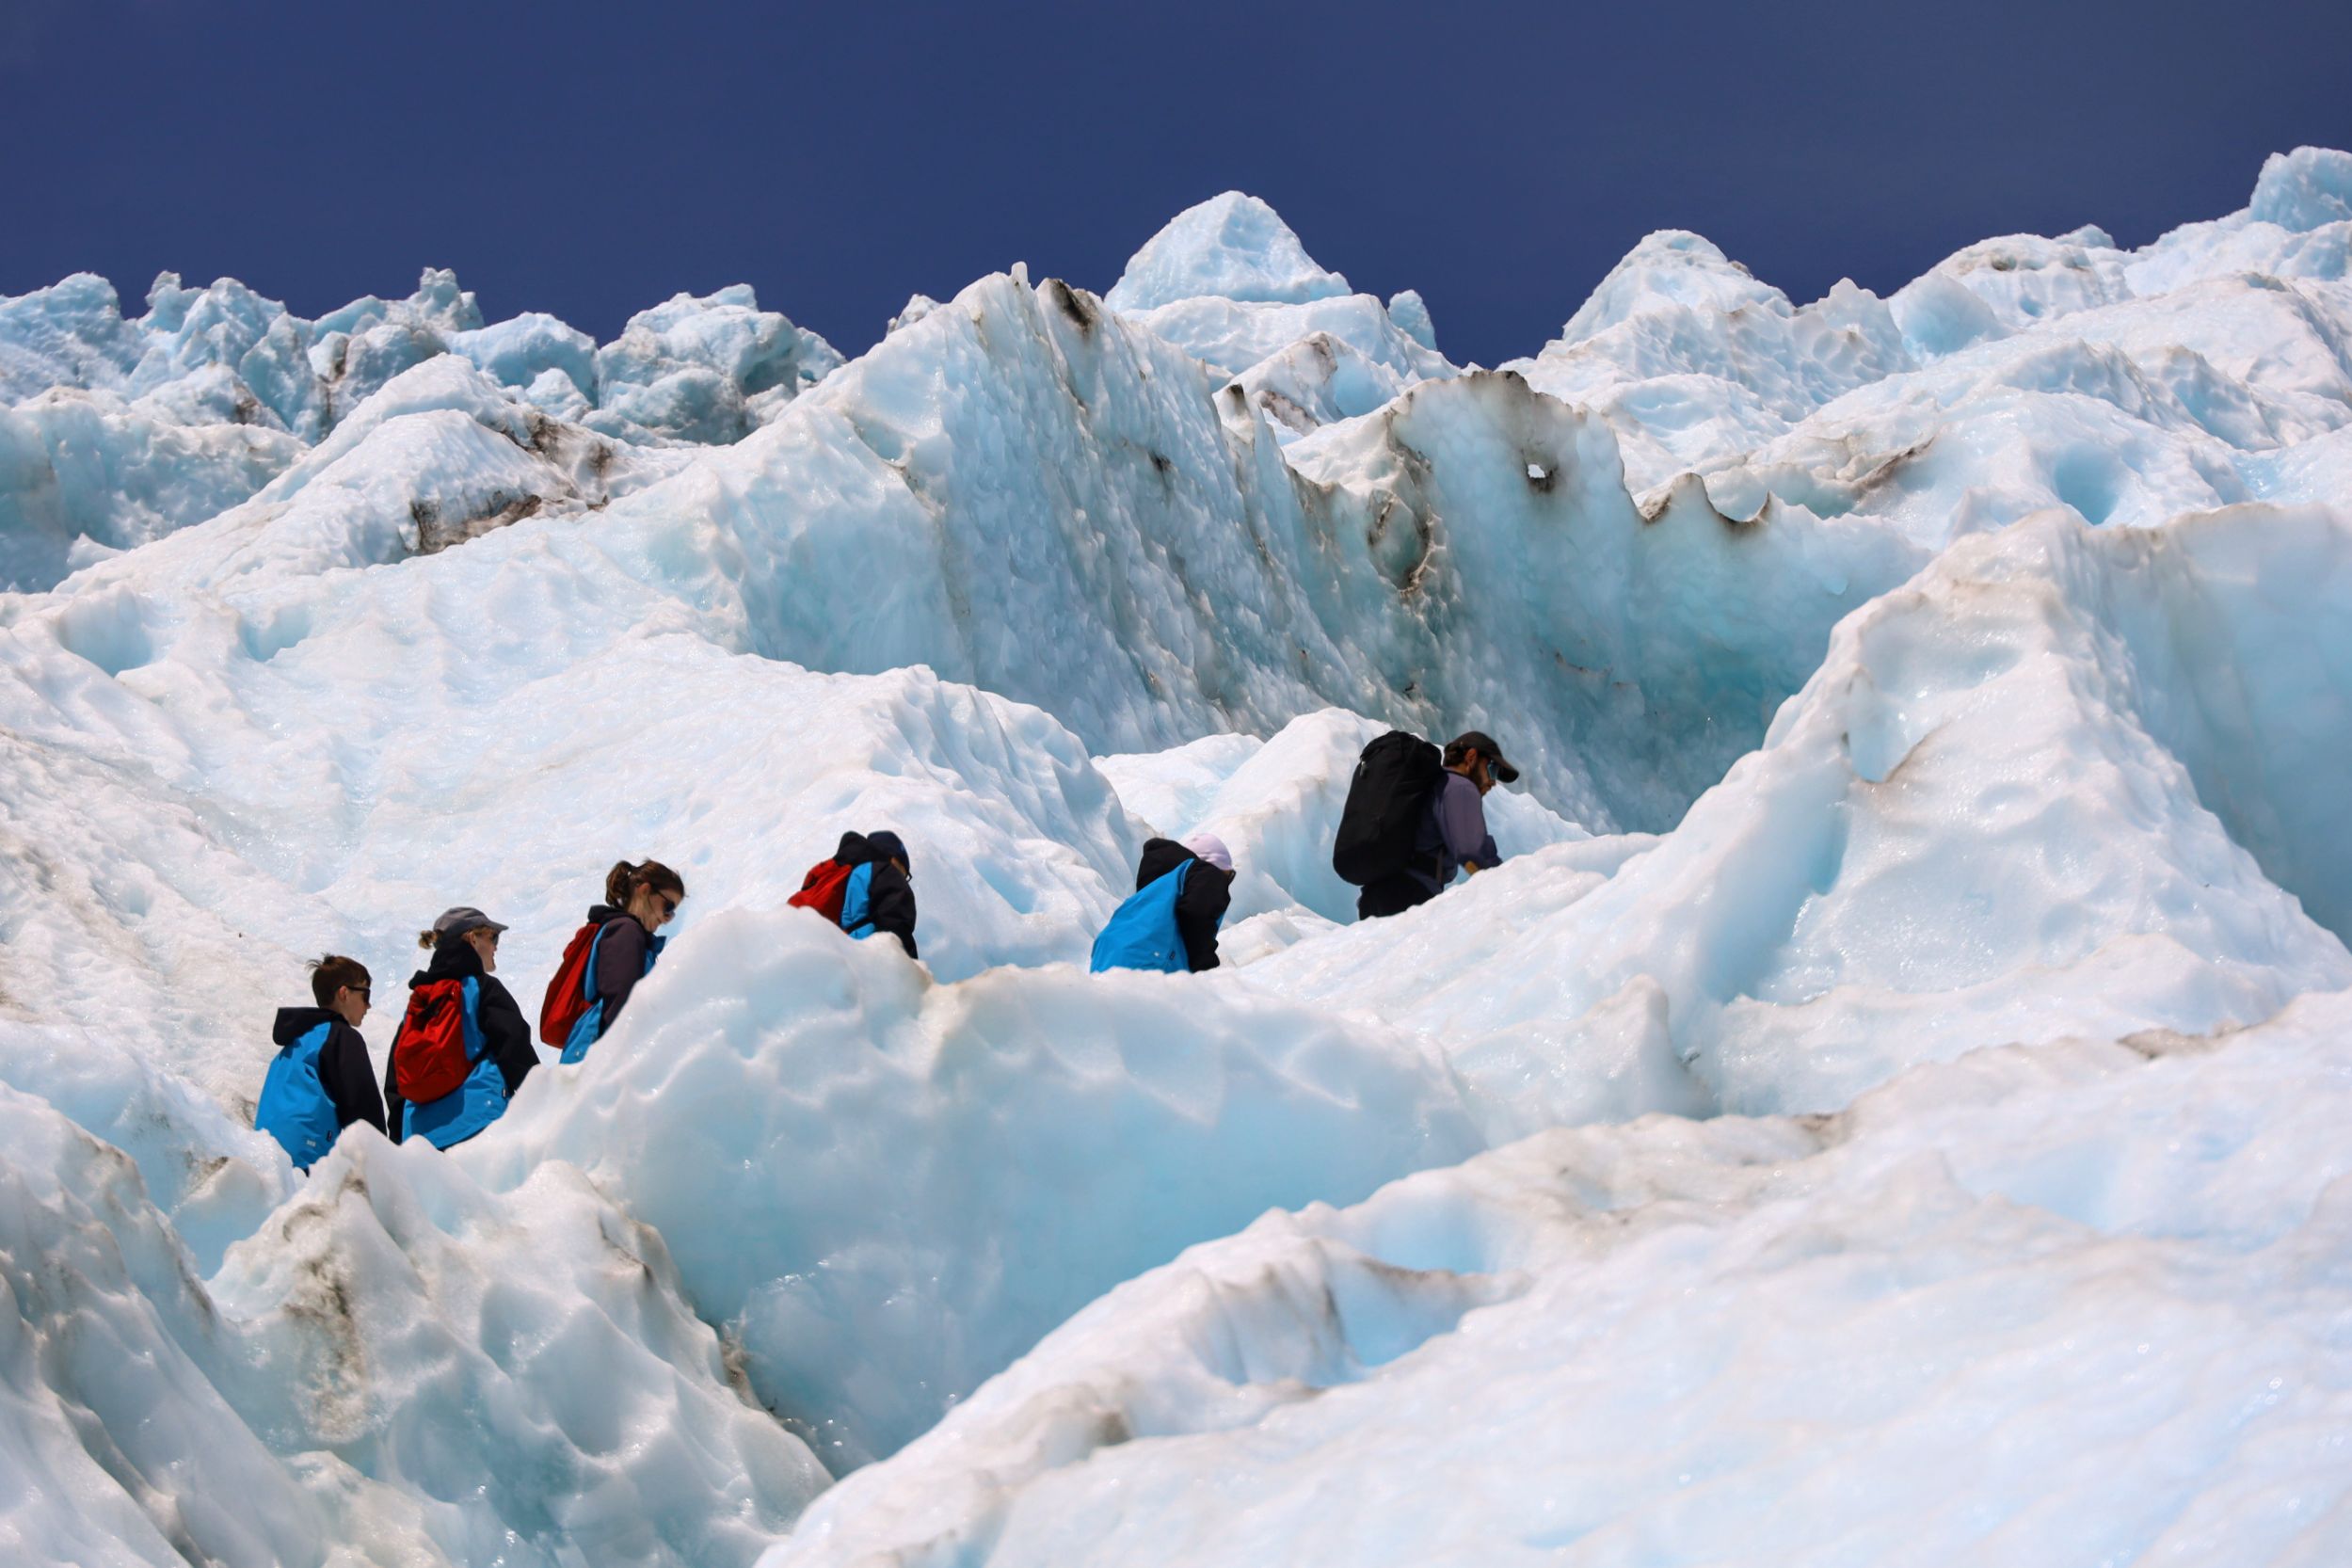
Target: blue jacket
[(1143, 934), (1170, 923), (319, 1082)]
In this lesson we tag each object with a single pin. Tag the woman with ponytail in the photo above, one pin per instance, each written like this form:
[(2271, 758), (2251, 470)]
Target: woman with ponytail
[(463, 1049), (609, 954)]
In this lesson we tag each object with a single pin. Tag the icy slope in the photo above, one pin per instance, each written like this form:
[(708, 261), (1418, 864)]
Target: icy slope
[(889, 1189), (398, 1369), (2060, 1306), (2032, 793)]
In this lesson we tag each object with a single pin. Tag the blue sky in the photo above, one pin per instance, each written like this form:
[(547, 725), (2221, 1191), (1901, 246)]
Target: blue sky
[(592, 158)]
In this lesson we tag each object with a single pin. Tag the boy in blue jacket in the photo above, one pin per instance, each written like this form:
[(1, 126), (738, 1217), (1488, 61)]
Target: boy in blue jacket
[(320, 1082)]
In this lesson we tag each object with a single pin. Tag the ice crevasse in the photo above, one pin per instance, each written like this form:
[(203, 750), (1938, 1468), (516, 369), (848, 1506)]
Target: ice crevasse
[(1886, 1104)]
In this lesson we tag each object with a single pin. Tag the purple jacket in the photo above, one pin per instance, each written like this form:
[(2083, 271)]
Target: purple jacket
[(1453, 830)]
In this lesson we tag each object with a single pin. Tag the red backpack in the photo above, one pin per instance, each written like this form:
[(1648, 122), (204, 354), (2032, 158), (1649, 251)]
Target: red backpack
[(822, 889), (435, 1045), (568, 994)]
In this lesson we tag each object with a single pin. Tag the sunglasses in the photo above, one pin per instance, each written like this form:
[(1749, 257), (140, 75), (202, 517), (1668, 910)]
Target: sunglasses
[(669, 906), (361, 991)]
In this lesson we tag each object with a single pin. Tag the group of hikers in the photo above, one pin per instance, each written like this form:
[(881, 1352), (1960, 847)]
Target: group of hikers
[(1412, 822)]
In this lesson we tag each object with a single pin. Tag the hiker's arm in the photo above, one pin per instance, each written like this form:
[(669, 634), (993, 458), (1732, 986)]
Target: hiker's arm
[(1463, 825), (890, 905), (395, 1109), (506, 1036), (1200, 908), (1487, 855), (619, 965), (349, 1079)]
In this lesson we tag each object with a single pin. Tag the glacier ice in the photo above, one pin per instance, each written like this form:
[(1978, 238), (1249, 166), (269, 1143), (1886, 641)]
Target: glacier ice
[(918, 1180), (1232, 246), (1888, 1102), (2055, 1305), (194, 406)]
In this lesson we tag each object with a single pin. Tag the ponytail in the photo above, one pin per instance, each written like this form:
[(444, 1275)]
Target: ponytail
[(625, 879), (428, 940)]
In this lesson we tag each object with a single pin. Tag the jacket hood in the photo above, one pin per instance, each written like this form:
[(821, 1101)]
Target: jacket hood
[(858, 848), (452, 960), (295, 1022), (1162, 856)]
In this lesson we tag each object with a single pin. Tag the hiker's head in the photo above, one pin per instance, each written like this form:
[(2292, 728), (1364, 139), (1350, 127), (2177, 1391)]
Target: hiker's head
[(469, 926), (341, 986), (888, 845), (1474, 755), (649, 891)]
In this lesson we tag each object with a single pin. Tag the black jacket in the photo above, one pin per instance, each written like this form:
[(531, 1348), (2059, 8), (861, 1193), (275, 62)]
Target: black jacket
[(1201, 908), (344, 1069), (505, 1038), (619, 960), (891, 896)]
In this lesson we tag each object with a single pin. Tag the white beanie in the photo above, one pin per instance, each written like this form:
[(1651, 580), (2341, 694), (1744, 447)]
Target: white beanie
[(1211, 848)]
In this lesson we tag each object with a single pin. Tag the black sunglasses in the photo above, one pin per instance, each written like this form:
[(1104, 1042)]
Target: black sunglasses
[(669, 906)]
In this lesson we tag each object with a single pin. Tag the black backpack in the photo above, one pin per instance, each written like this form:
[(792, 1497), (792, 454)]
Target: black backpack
[(1393, 782)]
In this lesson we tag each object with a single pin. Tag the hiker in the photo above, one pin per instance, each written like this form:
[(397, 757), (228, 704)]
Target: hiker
[(463, 1049), (867, 887), (1182, 890), (608, 955), (1414, 817), (321, 1081)]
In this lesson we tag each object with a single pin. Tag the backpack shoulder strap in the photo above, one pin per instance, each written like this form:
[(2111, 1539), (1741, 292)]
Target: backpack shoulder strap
[(476, 1043), (587, 971)]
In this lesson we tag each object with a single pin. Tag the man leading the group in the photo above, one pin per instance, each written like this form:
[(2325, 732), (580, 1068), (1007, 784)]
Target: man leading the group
[(1451, 834)]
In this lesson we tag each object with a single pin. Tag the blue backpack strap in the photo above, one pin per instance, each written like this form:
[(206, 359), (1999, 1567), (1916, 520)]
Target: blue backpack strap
[(475, 1041), (587, 1029), (587, 974)]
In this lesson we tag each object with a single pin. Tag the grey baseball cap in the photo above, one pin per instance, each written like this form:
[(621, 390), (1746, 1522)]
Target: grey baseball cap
[(465, 918)]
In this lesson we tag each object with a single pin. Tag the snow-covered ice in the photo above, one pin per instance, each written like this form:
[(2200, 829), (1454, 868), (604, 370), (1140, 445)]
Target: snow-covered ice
[(1886, 1107)]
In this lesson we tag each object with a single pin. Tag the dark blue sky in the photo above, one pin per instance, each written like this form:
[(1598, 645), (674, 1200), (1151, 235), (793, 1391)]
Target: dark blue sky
[(590, 159)]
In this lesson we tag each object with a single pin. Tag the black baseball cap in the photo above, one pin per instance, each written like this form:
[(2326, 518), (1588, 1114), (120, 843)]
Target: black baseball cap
[(1484, 743)]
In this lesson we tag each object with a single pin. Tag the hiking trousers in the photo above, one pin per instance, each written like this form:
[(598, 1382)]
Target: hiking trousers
[(1392, 895)]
